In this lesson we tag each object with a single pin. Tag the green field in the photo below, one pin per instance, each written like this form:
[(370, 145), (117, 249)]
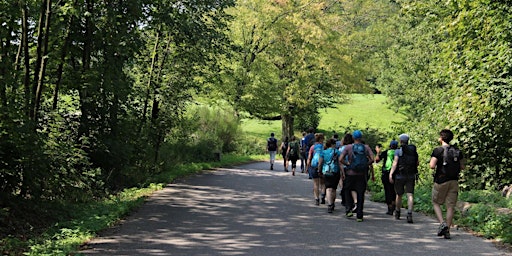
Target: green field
[(368, 110)]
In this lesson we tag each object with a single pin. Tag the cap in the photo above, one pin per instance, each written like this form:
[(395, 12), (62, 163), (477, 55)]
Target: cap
[(357, 134), (404, 137), (393, 143)]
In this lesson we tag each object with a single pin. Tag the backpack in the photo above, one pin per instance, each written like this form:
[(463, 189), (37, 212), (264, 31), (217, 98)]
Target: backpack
[(272, 144), (294, 150), (284, 147), (331, 167), (359, 162), (317, 150), (408, 161), (390, 157), (451, 163)]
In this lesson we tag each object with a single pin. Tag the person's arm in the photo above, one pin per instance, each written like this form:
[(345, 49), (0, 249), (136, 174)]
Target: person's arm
[(393, 168)]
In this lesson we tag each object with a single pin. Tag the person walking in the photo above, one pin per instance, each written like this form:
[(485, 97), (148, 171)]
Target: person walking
[(272, 149), (303, 152), (329, 164), (313, 168), (284, 148), (292, 153), (347, 140), (403, 175), (360, 157), (387, 156), (447, 161)]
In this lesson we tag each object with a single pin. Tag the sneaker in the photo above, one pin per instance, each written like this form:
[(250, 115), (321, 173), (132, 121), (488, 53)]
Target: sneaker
[(330, 208), (360, 220), (397, 215), (443, 228), (323, 201), (293, 173), (409, 218), (389, 212), (349, 214), (317, 202), (447, 235), (271, 167)]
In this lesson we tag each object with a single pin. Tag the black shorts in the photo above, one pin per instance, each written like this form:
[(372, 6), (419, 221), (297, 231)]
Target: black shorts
[(332, 181)]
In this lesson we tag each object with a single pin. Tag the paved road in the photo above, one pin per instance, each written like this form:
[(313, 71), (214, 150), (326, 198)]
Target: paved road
[(250, 210)]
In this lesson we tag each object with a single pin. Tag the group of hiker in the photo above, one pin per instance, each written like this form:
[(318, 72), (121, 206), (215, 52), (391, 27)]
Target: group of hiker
[(348, 164)]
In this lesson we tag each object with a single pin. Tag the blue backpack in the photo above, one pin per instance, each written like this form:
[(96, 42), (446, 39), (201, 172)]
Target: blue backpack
[(359, 161), (317, 150), (330, 166)]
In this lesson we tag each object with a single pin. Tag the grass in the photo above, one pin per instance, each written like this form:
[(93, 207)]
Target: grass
[(361, 111)]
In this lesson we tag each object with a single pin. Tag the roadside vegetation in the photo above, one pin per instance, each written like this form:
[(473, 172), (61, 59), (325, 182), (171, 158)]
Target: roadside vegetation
[(100, 99)]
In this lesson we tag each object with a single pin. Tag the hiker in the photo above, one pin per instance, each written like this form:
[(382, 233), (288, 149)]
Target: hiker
[(347, 139), (387, 156), (272, 149), (313, 157), (284, 148), (292, 154), (309, 140), (329, 164), (403, 175), (447, 161), (335, 136), (360, 157), (303, 152)]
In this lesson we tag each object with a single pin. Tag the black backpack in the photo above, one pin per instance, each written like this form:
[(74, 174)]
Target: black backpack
[(408, 161), (272, 144), (451, 163)]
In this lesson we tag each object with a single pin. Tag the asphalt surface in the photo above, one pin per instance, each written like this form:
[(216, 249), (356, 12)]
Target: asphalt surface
[(250, 210)]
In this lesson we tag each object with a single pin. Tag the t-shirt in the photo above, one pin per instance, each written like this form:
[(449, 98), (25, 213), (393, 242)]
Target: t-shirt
[(347, 151), (438, 153)]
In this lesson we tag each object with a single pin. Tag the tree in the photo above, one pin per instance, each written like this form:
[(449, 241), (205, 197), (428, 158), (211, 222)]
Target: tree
[(290, 59)]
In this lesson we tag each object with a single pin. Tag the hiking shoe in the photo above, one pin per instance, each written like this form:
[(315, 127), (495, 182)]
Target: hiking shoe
[(389, 212), (323, 201), (397, 215), (330, 208), (271, 167), (409, 218), (317, 202), (360, 220), (349, 214), (447, 235), (443, 228)]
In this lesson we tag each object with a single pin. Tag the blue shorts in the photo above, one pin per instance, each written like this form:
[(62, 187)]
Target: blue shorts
[(313, 173)]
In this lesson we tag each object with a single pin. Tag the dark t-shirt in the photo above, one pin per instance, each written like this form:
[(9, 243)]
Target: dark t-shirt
[(438, 175)]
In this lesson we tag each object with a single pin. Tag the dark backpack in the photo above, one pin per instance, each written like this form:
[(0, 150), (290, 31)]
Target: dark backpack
[(451, 163), (408, 161), (294, 150), (272, 144), (359, 161)]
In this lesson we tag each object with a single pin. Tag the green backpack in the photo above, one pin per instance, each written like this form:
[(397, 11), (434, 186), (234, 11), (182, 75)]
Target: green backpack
[(294, 150), (389, 160)]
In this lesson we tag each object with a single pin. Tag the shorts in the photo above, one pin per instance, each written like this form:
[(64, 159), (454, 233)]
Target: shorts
[(332, 181), (313, 173), (405, 185), (272, 155), (446, 193)]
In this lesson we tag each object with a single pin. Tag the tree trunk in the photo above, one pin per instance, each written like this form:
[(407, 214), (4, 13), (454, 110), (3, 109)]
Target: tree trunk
[(86, 60), (44, 59), (154, 59), (287, 125), (39, 58), (60, 68), (26, 56)]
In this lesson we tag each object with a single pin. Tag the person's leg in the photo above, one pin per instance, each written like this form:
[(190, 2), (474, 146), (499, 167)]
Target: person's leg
[(399, 190), (302, 161), (316, 184), (349, 204), (360, 190), (438, 198), (294, 165), (322, 189)]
